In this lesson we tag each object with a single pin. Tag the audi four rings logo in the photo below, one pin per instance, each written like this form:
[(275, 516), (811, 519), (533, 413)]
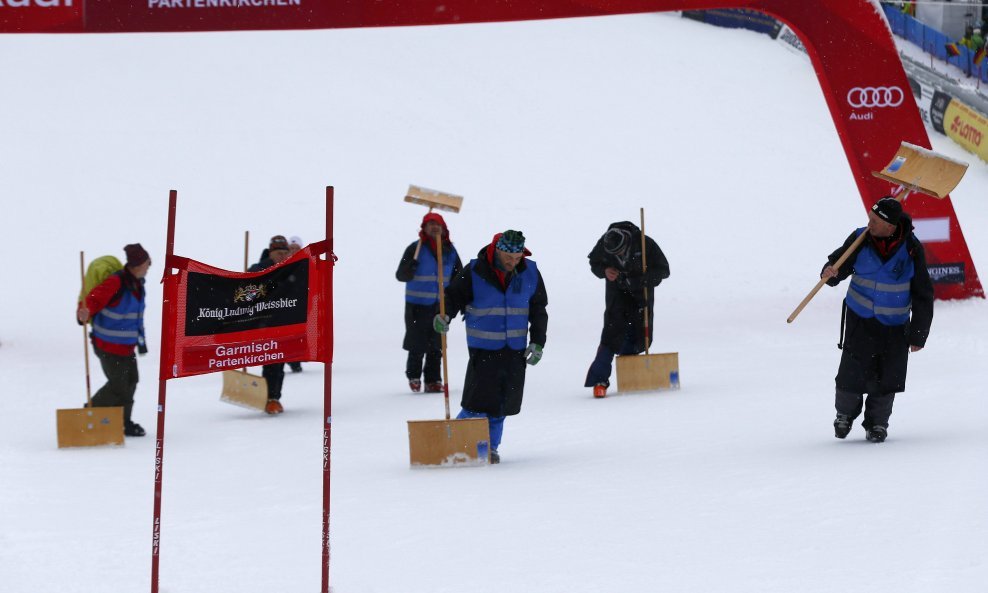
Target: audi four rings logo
[(875, 96)]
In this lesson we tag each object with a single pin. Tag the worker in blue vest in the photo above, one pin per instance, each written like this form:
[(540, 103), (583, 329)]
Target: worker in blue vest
[(504, 301), (889, 310), (418, 269), (116, 307)]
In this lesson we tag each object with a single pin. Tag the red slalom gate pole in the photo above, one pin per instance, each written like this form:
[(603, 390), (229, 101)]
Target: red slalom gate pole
[(327, 432), (159, 447)]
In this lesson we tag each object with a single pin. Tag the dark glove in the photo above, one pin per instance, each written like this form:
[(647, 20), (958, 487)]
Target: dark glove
[(533, 354), (440, 323), (142, 347)]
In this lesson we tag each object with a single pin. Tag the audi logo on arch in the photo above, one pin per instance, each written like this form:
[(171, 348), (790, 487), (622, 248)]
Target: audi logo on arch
[(875, 96)]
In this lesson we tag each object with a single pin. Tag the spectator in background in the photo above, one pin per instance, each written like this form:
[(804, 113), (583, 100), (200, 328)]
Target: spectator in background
[(968, 39), (977, 40)]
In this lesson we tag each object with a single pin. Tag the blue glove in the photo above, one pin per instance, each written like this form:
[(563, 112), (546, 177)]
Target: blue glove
[(533, 354), (440, 323)]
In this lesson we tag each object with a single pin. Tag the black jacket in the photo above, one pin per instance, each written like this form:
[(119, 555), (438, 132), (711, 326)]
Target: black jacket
[(419, 334), (920, 287), (624, 298), (495, 379), (459, 294)]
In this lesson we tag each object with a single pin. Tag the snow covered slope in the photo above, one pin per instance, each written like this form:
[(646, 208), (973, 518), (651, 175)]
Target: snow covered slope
[(735, 483)]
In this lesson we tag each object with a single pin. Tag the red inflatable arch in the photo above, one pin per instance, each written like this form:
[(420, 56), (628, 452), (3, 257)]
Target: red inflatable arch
[(848, 41)]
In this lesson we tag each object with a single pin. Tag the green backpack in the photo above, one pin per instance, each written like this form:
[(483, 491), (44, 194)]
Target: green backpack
[(97, 271)]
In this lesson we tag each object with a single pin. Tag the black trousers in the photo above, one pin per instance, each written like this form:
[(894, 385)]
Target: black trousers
[(274, 374), (121, 382), (433, 365), (877, 408), (874, 362)]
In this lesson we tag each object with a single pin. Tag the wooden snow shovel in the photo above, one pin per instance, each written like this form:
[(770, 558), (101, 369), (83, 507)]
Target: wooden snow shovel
[(449, 442), (915, 169), (240, 388), (647, 372), (435, 200), (89, 426)]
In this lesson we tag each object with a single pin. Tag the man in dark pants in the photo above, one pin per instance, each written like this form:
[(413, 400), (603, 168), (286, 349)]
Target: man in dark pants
[(116, 307), (274, 374), (419, 270), (889, 280), (504, 301), (617, 257)]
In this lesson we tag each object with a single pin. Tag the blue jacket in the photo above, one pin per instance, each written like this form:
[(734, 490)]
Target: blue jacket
[(423, 288), (881, 289), (122, 323), (496, 319)]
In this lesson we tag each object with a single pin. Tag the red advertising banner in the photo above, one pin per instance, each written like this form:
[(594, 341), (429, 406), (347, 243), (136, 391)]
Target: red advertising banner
[(221, 320), (48, 16)]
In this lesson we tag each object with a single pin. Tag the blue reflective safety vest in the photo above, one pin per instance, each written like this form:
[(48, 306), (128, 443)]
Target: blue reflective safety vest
[(881, 289), (423, 288), (497, 319), (123, 323)]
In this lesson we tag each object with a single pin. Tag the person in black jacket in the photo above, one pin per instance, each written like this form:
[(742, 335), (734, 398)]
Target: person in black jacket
[(418, 269), (274, 374), (889, 280), (504, 301), (617, 258)]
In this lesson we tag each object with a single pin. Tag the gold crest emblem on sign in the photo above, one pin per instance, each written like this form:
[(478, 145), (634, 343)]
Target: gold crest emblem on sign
[(249, 293)]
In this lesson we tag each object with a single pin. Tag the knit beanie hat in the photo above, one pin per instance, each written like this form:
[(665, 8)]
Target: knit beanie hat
[(888, 209), (511, 242), (136, 255), (278, 242)]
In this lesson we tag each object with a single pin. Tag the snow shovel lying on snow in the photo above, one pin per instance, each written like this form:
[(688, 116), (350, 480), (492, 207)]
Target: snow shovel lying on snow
[(449, 442), (915, 169), (240, 388), (647, 372), (89, 426)]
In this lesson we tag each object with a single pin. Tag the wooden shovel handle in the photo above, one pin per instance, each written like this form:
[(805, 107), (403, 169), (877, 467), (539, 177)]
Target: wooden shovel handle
[(442, 312), (417, 248), (644, 281), (85, 337)]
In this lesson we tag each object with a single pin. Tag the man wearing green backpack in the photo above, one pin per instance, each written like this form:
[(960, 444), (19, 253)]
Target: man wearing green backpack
[(115, 306)]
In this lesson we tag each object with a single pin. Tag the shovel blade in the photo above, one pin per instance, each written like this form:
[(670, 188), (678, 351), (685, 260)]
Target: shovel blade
[(244, 389), (449, 443), (648, 372), (89, 427), (923, 170), (433, 199)]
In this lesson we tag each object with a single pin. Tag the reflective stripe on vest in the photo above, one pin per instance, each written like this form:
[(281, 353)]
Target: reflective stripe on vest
[(120, 324), (882, 289), (497, 319), (423, 288)]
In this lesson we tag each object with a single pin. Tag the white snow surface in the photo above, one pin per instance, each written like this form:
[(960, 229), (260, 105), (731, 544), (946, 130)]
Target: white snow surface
[(734, 483)]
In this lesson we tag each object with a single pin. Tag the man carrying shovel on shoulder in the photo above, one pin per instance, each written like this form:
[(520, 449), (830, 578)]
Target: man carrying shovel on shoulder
[(889, 280)]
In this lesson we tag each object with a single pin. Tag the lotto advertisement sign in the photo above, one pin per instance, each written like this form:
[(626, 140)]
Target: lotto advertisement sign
[(967, 127), (227, 320)]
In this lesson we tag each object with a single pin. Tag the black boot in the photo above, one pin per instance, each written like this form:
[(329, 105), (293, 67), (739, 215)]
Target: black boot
[(495, 458), (877, 434), (842, 425), (133, 429)]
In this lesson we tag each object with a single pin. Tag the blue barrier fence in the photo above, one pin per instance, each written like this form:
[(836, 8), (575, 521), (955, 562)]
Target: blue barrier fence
[(934, 42)]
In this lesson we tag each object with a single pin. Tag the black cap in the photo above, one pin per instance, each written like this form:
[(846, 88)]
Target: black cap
[(888, 209)]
